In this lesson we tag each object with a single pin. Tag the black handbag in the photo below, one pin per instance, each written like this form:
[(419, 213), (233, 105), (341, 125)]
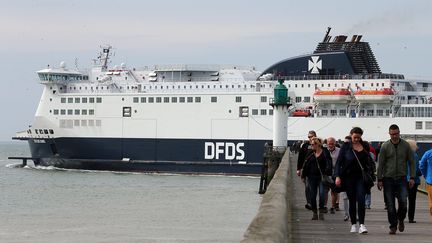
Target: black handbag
[(325, 179), (367, 178)]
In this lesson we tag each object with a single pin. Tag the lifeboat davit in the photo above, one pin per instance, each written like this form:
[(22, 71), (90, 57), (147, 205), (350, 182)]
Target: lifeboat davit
[(332, 96), (301, 113), (370, 96)]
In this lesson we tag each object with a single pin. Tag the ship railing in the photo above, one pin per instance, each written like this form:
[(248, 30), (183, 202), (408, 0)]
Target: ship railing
[(341, 76), (193, 67)]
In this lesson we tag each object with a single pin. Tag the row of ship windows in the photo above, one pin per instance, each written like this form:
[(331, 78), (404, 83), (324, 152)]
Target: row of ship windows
[(79, 123), (262, 112), (83, 112), (81, 100), (213, 99), (419, 125), (362, 112), (342, 85), (178, 87)]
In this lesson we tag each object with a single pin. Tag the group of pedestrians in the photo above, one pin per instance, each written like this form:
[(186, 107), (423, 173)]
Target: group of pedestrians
[(352, 166)]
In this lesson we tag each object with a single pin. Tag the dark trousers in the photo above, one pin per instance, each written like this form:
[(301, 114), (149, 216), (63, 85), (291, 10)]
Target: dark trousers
[(395, 188), (412, 195), (307, 192), (356, 193), (315, 186)]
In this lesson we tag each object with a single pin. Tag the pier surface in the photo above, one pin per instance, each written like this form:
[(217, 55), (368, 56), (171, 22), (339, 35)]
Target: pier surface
[(298, 226)]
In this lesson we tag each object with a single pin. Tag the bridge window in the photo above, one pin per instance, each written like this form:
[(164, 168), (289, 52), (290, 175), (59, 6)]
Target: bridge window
[(135, 99), (91, 100), (98, 100), (84, 100), (70, 100), (182, 99), (166, 99), (307, 99), (238, 99), (84, 112), (56, 112), (91, 112), (70, 112), (143, 99), (62, 112), (213, 99), (189, 99), (428, 125), (263, 112), (63, 100), (270, 112), (380, 113), (418, 125), (325, 112), (151, 99), (197, 99), (77, 112), (173, 99), (263, 99), (342, 112), (254, 112), (158, 99), (298, 99), (83, 123), (333, 112)]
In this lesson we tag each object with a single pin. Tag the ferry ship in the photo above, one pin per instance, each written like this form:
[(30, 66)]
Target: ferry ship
[(216, 119)]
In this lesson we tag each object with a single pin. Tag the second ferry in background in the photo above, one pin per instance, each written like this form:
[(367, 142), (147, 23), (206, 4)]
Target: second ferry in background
[(216, 119)]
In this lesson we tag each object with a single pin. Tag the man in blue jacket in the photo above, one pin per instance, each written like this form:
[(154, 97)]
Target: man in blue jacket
[(426, 169)]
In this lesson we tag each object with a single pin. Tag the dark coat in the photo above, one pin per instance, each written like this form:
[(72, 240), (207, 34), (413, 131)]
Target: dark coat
[(347, 162), (310, 167)]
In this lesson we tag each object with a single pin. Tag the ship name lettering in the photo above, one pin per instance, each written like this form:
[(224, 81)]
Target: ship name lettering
[(220, 150)]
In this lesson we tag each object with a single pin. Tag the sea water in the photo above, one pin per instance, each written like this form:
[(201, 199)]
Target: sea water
[(40, 204)]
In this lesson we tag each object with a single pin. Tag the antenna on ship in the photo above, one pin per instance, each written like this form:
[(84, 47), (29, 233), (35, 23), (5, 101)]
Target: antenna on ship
[(104, 56), (326, 37)]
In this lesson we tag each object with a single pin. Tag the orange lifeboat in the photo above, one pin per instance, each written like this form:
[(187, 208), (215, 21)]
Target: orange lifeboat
[(301, 113), (381, 95), (339, 95)]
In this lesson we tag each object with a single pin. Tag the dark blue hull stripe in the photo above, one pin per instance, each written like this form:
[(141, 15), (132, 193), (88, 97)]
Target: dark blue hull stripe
[(152, 155)]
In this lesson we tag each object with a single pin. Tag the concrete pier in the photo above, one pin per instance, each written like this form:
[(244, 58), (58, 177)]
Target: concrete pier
[(282, 216)]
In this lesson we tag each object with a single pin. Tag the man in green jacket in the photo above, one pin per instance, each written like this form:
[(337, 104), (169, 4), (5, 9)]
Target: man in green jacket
[(393, 162)]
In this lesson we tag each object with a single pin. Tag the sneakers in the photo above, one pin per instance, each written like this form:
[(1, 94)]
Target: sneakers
[(346, 217), (362, 229), (308, 206), (332, 210), (353, 228), (392, 231), (401, 226)]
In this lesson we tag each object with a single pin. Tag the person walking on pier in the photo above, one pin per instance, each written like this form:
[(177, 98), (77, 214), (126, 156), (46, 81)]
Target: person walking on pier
[(425, 165), (412, 192), (316, 165), (305, 151), (334, 153), (353, 158), (394, 158)]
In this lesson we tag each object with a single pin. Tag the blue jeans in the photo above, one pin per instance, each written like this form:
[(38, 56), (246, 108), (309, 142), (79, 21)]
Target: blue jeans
[(356, 193), (395, 188), (315, 185), (368, 200)]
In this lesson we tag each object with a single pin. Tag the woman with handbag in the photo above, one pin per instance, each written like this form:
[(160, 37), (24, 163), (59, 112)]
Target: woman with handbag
[(352, 166), (316, 169)]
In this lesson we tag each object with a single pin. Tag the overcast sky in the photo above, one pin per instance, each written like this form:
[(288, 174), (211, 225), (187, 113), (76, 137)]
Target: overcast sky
[(35, 33)]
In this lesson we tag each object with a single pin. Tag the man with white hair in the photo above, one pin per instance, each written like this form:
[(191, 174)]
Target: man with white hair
[(334, 153)]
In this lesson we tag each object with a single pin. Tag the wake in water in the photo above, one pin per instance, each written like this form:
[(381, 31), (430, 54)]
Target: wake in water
[(53, 168)]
